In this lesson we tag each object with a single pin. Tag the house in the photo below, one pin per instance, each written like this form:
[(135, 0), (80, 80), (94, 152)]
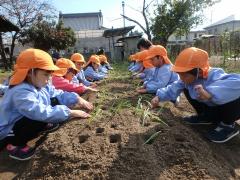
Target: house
[(230, 23), (88, 29), (185, 39), (119, 42)]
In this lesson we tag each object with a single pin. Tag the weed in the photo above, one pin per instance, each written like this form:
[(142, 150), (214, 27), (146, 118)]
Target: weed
[(151, 138)]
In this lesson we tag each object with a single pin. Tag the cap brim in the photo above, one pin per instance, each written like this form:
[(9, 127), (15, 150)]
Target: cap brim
[(60, 72), (180, 69), (81, 61), (147, 64), (18, 76), (50, 68), (150, 56)]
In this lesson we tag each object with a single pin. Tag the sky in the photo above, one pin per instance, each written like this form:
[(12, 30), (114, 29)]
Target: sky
[(111, 10)]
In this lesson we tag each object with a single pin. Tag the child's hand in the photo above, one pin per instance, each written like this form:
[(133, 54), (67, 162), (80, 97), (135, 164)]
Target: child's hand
[(155, 101), (84, 104), (141, 90), (79, 113), (202, 93), (91, 89), (93, 85)]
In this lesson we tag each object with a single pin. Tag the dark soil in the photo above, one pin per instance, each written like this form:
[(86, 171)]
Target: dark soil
[(112, 145)]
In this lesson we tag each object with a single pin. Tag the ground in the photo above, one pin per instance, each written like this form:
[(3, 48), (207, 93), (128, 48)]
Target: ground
[(125, 139)]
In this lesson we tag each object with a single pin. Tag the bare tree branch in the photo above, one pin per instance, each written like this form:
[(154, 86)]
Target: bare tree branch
[(130, 19), (149, 4), (147, 29)]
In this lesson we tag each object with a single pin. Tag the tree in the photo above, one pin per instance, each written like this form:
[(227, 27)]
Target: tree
[(144, 13), (64, 37), (23, 13), (177, 16), (46, 35)]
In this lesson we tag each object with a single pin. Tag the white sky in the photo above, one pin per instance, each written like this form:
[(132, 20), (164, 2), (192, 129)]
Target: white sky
[(112, 9)]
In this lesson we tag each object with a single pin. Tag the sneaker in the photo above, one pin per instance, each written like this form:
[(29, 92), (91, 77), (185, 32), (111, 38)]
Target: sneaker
[(223, 133), (177, 102), (20, 153), (50, 127), (196, 119)]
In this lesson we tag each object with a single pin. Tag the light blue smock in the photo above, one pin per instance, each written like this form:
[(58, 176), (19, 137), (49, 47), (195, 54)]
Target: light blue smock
[(147, 74), (137, 67), (223, 88), (3, 89), (103, 69), (162, 77), (24, 100), (80, 78), (90, 73)]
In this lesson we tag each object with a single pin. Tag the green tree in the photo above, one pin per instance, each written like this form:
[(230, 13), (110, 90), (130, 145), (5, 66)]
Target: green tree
[(64, 37), (46, 35), (177, 16)]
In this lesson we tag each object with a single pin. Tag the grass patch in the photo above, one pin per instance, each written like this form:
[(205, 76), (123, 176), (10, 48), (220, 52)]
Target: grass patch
[(4, 75)]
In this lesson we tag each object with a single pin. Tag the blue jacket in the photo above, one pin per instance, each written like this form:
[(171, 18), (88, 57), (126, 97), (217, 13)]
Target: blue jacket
[(3, 89), (108, 66), (147, 74), (103, 69), (90, 73), (131, 65), (24, 100), (162, 77), (80, 78), (223, 87), (136, 67)]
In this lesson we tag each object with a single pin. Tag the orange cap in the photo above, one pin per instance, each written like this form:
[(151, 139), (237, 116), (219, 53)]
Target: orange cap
[(158, 50), (191, 58), (93, 59), (30, 59), (147, 64), (64, 64), (142, 55), (77, 57), (103, 58), (133, 57)]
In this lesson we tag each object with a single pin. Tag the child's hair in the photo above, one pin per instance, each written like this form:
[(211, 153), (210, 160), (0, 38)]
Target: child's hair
[(100, 52), (92, 59), (86, 66), (195, 72), (144, 43)]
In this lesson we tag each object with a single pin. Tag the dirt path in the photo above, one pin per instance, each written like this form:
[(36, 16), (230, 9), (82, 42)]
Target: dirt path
[(111, 144)]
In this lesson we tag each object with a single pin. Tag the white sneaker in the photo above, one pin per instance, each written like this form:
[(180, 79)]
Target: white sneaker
[(177, 102)]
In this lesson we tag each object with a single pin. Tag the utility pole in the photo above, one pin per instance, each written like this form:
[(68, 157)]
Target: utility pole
[(123, 42), (123, 8)]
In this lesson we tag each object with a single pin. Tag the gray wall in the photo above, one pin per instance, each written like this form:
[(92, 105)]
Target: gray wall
[(85, 23)]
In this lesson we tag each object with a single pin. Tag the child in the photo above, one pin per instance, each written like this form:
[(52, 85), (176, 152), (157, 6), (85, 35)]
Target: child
[(144, 44), (26, 108), (79, 61), (62, 79), (105, 66), (137, 65), (91, 70), (214, 94), (132, 58), (162, 75), (102, 57), (148, 68)]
